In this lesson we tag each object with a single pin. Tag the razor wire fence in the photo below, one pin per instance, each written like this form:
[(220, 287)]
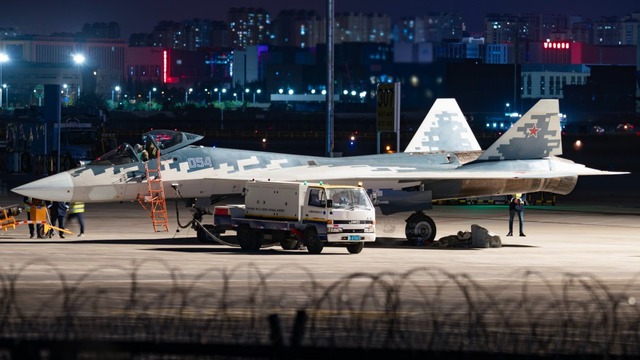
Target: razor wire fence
[(247, 311)]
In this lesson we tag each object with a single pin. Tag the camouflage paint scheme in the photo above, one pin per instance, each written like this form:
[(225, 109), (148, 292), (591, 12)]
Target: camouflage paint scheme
[(442, 161)]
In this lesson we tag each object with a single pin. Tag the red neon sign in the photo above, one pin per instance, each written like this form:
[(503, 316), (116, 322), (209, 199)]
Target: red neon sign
[(556, 45)]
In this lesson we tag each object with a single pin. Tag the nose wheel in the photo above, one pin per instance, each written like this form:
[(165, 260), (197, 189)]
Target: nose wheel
[(420, 229)]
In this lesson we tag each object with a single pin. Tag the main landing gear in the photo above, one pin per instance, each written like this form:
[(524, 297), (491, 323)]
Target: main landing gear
[(420, 229)]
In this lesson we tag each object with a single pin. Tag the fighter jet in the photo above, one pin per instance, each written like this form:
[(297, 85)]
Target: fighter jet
[(442, 161)]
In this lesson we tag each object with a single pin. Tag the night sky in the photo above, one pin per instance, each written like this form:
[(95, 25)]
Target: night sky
[(45, 16)]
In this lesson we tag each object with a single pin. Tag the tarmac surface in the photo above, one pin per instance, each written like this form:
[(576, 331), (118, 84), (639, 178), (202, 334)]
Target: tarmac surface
[(598, 235)]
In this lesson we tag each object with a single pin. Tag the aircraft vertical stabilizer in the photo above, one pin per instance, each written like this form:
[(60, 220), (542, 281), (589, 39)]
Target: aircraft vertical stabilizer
[(534, 136), (444, 129)]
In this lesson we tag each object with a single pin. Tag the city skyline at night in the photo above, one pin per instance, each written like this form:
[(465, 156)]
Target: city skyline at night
[(140, 17)]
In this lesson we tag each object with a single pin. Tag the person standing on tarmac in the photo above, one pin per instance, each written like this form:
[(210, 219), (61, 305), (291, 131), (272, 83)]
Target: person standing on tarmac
[(516, 206), (76, 211), (28, 203), (58, 212)]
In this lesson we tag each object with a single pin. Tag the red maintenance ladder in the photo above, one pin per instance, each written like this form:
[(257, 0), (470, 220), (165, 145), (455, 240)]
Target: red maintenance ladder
[(157, 208)]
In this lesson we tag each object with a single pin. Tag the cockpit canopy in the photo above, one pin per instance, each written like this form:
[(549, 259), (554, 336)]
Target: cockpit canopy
[(155, 144)]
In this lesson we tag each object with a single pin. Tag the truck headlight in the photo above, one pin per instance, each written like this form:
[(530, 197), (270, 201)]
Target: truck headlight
[(334, 229)]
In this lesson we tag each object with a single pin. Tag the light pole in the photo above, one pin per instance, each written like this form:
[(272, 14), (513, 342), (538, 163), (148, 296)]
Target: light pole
[(186, 95), (66, 96), (220, 91), (6, 88), (245, 91), (79, 59), (113, 90), (3, 59), (150, 90), (258, 91)]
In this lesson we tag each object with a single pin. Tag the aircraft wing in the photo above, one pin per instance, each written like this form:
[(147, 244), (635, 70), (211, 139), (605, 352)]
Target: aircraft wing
[(329, 173)]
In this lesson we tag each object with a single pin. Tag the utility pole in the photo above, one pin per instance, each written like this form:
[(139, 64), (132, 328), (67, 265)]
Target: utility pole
[(329, 98)]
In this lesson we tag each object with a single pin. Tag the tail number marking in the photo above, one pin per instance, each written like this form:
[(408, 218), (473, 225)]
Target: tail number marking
[(199, 162)]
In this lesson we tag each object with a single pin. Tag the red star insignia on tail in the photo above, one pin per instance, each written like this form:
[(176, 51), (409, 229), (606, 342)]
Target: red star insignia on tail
[(533, 131)]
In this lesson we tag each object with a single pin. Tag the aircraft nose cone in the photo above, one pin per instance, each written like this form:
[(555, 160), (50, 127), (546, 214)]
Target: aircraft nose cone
[(58, 187)]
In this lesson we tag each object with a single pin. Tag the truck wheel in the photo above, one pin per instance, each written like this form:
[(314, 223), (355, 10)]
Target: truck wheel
[(312, 241), (420, 229), (355, 248), (205, 238), (248, 239)]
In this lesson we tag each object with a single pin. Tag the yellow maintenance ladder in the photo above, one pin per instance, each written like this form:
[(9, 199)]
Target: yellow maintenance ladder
[(157, 209)]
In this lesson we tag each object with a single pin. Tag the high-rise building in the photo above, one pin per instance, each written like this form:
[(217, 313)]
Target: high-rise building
[(359, 27), (166, 34), (298, 28), (248, 26), (629, 30), (541, 27), (607, 31), (505, 28), (219, 34)]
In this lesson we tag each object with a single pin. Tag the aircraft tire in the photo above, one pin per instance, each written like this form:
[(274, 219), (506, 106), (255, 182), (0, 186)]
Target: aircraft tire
[(420, 229), (355, 248), (248, 239), (312, 241)]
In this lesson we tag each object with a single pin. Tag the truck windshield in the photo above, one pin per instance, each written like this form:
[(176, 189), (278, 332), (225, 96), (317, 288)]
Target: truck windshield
[(348, 197)]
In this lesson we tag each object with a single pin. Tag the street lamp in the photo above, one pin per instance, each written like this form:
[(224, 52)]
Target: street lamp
[(254, 95), (186, 95), (79, 59), (245, 91), (6, 88), (113, 90), (220, 92), (3, 59), (150, 90)]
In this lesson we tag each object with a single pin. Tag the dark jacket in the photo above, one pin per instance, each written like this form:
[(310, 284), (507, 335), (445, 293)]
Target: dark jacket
[(516, 204), (59, 208)]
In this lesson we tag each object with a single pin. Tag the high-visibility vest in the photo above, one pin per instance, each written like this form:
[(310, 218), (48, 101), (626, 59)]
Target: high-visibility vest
[(76, 207)]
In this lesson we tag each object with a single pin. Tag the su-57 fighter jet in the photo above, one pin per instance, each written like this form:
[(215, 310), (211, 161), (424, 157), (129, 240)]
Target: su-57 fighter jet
[(442, 161)]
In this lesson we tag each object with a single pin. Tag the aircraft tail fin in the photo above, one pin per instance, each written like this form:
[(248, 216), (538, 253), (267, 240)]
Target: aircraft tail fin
[(534, 136), (444, 129)]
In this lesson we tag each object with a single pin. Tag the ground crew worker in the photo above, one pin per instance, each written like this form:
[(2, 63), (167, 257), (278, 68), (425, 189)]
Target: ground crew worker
[(58, 213), (516, 206), (76, 211), (28, 203)]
